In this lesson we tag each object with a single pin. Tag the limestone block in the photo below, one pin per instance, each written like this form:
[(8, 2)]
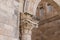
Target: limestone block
[(9, 6)]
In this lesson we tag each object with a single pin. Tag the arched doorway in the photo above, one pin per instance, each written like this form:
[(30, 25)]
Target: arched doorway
[(49, 25)]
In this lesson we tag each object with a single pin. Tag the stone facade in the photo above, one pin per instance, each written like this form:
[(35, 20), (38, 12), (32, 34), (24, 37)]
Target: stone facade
[(44, 30), (19, 18)]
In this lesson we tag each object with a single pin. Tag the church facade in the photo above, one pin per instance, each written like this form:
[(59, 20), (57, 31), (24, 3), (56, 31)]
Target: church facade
[(29, 19)]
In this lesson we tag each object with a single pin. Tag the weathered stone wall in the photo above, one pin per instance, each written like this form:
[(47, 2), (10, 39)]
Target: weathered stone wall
[(9, 16), (9, 20), (30, 6)]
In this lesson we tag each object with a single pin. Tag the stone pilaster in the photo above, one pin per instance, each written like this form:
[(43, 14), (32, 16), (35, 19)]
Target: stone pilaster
[(27, 24)]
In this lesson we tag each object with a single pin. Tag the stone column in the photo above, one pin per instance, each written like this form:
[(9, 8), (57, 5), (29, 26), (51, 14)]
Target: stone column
[(27, 25)]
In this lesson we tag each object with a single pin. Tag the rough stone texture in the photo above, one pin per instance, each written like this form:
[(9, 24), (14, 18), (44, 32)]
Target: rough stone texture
[(48, 31), (8, 20), (10, 17), (43, 32)]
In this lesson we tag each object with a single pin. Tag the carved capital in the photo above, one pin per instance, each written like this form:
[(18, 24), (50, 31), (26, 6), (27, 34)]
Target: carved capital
[(28, 23)]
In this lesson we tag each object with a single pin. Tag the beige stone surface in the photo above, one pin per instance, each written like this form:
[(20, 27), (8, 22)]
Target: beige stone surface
[(58, 2), (8, 20), (3, 37), (32, 6), (10, 17), (21, 2)]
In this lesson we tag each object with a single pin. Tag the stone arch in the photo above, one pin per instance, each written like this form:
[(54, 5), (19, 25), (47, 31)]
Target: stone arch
[(49, 29), (37, 3), (44, 4), (52, 2), (33, 6)]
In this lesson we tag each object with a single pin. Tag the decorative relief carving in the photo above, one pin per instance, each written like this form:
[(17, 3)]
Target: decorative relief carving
[(28, 23)]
